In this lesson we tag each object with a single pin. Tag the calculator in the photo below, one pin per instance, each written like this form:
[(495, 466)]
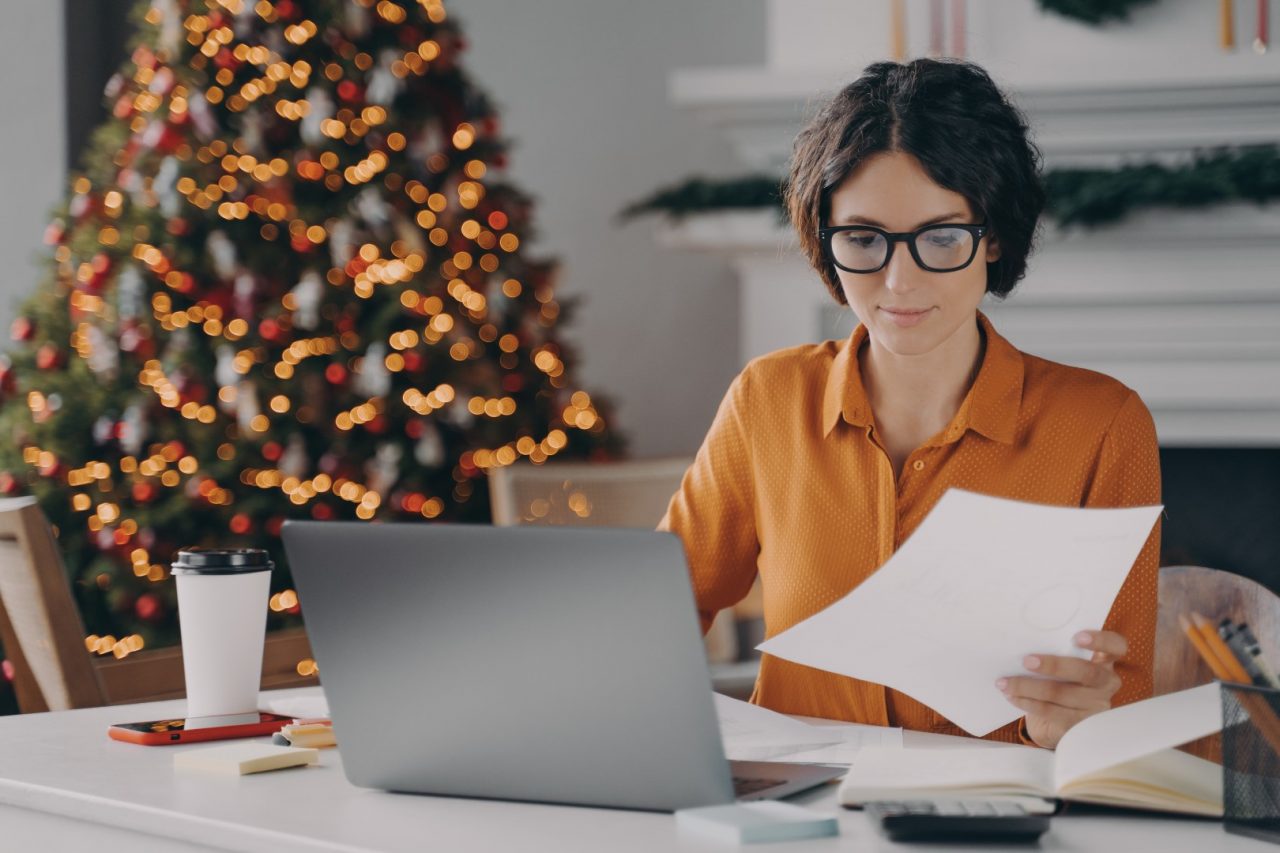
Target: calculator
[(956, 820)]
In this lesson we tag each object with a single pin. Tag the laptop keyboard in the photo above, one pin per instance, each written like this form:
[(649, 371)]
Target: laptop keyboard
[(743, 787)]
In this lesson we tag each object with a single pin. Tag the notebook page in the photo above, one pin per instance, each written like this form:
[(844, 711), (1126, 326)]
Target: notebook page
[(1132, 731), (887, 773), (1168, 780)]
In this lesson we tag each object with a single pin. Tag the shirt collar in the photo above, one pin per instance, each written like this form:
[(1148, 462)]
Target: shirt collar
[(990, 408)]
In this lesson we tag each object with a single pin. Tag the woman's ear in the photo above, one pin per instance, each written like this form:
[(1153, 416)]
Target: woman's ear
[(993, 249)]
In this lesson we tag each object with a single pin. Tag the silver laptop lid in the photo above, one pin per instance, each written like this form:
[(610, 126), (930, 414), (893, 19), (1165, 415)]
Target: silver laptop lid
[(547, 664)]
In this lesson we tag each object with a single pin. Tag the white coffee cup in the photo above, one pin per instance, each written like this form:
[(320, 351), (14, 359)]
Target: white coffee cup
[(222, 613)]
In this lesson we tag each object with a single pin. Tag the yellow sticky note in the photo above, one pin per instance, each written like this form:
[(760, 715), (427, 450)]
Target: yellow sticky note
[(239, 759)]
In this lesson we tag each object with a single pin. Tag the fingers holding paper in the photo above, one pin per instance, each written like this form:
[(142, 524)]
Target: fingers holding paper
[(1062, 691)]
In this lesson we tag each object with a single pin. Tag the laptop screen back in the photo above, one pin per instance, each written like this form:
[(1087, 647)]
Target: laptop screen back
[(546, 664)]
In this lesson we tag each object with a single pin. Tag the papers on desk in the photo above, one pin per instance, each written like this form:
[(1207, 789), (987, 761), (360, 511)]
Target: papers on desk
[(753, 733), (979, 585)]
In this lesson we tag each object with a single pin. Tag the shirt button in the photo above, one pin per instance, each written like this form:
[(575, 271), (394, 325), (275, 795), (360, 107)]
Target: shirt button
[(918, 465)]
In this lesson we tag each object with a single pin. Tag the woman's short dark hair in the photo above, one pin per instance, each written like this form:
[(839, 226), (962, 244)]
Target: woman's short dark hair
[(950, 116)]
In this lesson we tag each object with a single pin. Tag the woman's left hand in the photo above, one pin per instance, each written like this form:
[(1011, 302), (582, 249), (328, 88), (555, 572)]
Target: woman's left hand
[(1065, 690)]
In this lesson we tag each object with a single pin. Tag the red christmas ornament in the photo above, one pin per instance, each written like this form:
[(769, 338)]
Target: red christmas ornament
[(412, 361), (413, 429), (143, 492), (271, 451), (48, 357), (226, 59), (349, 91), (240, 524), (178, 227), (377, 426), (54, 232), (22, 329), (269, 329), (299, 243), (8, 485), (336, 374), (148, 607), (285, 9), (100, 268)]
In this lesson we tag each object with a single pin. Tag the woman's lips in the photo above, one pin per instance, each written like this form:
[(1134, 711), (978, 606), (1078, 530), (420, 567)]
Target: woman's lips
[(906, 316)]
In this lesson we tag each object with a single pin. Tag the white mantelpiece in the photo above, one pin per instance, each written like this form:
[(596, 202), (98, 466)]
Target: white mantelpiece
[(1182, 305), (1197, 334)]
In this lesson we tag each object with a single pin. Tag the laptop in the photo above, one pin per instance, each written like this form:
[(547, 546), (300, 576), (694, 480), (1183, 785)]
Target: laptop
[(560, 665)]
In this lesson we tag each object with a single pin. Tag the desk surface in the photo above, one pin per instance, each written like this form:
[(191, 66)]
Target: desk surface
[(65, 785)]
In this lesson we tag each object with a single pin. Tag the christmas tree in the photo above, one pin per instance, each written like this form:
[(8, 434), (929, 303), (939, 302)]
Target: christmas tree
[(290, 283)]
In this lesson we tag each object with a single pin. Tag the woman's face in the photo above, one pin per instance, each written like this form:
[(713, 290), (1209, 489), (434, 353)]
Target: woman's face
[(906, 309)]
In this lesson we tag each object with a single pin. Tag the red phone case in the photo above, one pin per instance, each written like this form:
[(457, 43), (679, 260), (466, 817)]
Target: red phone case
[(169, 737)]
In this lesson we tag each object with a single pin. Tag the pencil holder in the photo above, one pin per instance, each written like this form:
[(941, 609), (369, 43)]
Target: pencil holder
[(1251, 760)]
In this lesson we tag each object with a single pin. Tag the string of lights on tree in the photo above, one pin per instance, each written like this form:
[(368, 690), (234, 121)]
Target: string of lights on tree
[(289, 283)]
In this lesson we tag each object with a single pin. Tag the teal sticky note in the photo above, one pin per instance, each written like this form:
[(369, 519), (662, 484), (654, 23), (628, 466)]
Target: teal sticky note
[(755, 822)]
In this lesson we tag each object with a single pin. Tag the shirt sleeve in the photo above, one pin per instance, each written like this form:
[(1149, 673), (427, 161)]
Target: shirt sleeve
[(713, 512), (1128, 474)]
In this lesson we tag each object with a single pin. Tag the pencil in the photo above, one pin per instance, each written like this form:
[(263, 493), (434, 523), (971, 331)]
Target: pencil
[(1227, 668), (1207, 654), (1234, 669)]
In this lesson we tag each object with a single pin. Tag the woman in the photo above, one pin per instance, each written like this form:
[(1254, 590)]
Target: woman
[(915, 192)]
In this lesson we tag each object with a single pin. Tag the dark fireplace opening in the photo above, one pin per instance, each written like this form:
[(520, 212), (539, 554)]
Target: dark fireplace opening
[(1222, 510)]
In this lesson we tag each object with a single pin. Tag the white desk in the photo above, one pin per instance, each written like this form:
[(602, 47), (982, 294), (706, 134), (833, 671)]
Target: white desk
[(65, 786)]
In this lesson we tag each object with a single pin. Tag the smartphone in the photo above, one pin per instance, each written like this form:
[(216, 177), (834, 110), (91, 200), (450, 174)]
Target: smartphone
[(192, 729)]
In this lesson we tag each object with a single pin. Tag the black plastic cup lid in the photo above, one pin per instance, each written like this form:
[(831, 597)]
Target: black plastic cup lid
[(221, 561)]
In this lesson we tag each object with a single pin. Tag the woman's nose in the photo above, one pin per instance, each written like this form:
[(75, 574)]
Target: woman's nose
[(901, 272)]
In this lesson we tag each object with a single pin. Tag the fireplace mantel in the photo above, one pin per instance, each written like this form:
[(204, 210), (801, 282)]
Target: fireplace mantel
[(1187, 317)]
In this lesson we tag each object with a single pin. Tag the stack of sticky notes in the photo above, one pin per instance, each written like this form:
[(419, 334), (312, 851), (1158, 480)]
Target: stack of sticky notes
[(240, 759), (764, 820), (315, 733)]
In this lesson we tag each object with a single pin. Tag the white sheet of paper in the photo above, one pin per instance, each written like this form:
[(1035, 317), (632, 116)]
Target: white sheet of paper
[(753, 733), (980, 584)]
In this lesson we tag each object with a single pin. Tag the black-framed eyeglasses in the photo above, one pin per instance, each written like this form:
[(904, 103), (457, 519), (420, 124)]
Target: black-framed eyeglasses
[(945, 247)]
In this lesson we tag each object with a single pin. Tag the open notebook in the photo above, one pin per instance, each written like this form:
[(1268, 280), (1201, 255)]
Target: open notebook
[(1121, 757)]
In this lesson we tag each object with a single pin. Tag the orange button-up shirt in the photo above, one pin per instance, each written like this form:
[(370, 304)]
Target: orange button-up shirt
[(792, 484)]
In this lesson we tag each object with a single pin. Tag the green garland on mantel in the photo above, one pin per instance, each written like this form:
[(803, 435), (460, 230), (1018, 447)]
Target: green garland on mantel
[(1088, 197), (1093, 12)]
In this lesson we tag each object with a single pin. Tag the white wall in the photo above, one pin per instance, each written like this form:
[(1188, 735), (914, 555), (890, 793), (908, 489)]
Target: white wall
[(31, 146), (581, 86)]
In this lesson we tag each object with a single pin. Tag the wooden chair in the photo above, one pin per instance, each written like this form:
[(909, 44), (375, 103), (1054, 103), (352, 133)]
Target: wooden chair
[(1215, 594), (632, 493), (44, 637)]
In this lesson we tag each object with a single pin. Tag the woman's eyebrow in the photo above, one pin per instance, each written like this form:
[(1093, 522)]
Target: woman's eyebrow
[(954, 216)]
